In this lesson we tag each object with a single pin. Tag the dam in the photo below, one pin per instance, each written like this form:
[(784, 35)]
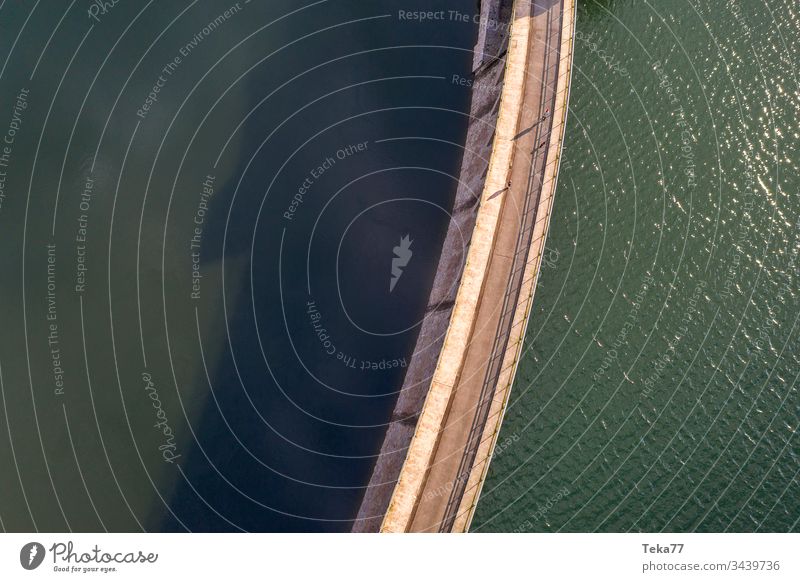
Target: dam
[(439, 445), (268, 267)]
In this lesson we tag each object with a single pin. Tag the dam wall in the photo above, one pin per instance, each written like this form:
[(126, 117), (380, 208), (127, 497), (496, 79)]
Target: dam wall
[(488, 74), (446, 464)]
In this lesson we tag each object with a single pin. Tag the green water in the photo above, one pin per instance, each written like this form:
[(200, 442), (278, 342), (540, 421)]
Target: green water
[(658, 389)]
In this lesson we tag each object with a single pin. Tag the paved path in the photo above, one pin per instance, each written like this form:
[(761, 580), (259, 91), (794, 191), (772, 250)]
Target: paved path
[(444, 471)]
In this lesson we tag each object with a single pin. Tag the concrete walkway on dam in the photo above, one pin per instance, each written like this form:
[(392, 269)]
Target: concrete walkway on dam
[(449, 454)]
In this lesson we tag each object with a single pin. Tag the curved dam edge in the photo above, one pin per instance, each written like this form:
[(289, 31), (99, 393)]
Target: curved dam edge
[(446, 464), (513, 352), (488, 72), (402, 507)]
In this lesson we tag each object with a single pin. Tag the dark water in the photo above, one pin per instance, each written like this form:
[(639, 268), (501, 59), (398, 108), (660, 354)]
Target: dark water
[(658, 389), (198, 331)]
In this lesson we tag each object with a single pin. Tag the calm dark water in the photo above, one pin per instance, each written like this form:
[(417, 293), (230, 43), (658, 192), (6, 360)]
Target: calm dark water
[(200, 206), (658, 390)]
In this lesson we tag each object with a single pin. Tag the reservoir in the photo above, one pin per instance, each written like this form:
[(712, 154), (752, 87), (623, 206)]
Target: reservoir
[(658, 386), (205, 318)]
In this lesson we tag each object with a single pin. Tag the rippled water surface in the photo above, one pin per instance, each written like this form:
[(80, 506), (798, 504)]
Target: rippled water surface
[(658, 389)]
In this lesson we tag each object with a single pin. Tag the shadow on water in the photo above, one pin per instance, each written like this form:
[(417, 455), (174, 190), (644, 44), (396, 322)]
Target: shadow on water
[(304, 374)]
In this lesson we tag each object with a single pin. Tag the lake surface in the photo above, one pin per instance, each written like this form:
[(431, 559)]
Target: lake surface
[(658, 389), (201, 207)]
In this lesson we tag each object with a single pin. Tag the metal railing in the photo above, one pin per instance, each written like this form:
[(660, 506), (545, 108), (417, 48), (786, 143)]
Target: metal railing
[(520, 263)]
